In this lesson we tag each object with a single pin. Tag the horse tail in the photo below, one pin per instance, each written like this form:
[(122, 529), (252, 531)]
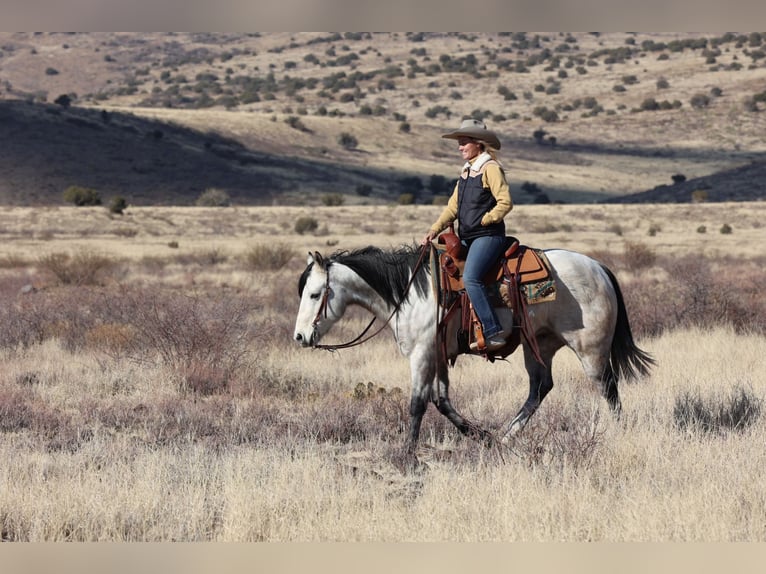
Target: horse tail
[(626, 359)]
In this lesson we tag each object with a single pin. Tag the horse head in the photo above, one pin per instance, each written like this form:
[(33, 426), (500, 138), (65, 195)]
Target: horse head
[(320, 305)]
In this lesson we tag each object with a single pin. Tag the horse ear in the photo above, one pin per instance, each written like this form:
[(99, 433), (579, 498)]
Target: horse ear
[(315, 257)]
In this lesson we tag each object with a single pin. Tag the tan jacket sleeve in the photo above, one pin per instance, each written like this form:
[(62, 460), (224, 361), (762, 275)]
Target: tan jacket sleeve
[(448, 215), (494, 179)]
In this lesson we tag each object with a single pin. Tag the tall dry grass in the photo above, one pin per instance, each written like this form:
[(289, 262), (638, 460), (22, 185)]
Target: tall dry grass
[(109, 453), (167, 402)]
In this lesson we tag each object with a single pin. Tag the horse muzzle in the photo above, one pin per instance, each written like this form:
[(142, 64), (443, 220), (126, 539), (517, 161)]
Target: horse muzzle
[(307, 341)]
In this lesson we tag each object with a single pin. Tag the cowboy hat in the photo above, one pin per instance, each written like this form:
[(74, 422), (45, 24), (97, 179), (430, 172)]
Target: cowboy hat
[(474, 129)]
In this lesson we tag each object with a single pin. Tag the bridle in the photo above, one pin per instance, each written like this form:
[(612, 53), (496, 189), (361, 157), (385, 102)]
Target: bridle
[(359, 339)]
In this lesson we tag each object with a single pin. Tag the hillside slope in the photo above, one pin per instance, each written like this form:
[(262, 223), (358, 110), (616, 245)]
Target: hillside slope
[(292, 117)]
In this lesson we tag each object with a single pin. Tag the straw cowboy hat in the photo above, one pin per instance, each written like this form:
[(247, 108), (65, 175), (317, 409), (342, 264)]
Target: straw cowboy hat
[(476, 130)]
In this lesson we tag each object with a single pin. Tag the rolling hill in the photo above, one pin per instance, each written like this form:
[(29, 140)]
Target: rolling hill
[(297, 118)]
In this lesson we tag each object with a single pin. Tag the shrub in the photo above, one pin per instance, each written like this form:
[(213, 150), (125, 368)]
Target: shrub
[(702, 229), (213, 197), (726, 229), (82, 268), (716, 415), (650, 104), (678, 178), (545, 114), (348, 141), (63, 100), (700, 101), (81, 196), (539, 135), (638, 255), (296, 123), (204, 339), (118, 205), (305, 224), (333, 199), (699, 196), (406, 199), (269, 257)]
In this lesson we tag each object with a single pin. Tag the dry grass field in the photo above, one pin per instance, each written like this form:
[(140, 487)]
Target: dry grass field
[(150, 389)]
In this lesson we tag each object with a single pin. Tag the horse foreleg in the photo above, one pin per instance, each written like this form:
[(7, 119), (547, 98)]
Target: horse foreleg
[(445, 407), (540, 384), (422, 372)]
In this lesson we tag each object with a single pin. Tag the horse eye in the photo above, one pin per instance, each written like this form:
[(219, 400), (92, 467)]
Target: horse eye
[(315, 296)]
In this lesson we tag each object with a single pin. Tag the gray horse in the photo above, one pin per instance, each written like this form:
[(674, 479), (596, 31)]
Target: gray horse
[(588, 315)]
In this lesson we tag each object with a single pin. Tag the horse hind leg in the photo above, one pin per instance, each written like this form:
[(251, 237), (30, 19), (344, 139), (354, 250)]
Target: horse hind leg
[(599, 369), (540, 384), (609, 390)]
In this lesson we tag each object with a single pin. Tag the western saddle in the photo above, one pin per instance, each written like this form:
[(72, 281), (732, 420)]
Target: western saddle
[(520, 277)]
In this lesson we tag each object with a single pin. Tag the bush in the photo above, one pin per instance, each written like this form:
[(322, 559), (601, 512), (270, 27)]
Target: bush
[(726, 229), (406, 199), (83, 268), (639, 256), (545, 114), (700, 101), (694, 293), (716, 415), (203, 339), (699, 196), (296, 123), (348, 141), (213, 197), (63, 100), (81, 196), (118, 205), (650, 104), (333, 199), (268, 257), (306, 224)]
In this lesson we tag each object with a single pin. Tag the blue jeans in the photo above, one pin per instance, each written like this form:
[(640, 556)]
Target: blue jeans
[(483, 252)]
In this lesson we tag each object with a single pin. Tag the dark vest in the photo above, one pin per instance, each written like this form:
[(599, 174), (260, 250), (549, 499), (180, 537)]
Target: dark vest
[(473, 202)]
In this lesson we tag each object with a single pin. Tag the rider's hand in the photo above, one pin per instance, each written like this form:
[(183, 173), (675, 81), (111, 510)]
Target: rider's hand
[(428, 238)]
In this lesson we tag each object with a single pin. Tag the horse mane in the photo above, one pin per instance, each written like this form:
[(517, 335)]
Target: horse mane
[(387, 271)]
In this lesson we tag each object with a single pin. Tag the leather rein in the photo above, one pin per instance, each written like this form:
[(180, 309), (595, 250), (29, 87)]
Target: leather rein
[(359, 339)]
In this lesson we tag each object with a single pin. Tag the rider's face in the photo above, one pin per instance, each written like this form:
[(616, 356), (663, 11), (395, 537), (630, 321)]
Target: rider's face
[(469, 148)]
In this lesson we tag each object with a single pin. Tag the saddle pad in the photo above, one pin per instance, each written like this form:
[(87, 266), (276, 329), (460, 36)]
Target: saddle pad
[(539, 292)]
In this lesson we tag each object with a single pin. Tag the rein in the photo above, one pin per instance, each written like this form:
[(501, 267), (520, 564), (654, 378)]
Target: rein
[(359, 339)]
